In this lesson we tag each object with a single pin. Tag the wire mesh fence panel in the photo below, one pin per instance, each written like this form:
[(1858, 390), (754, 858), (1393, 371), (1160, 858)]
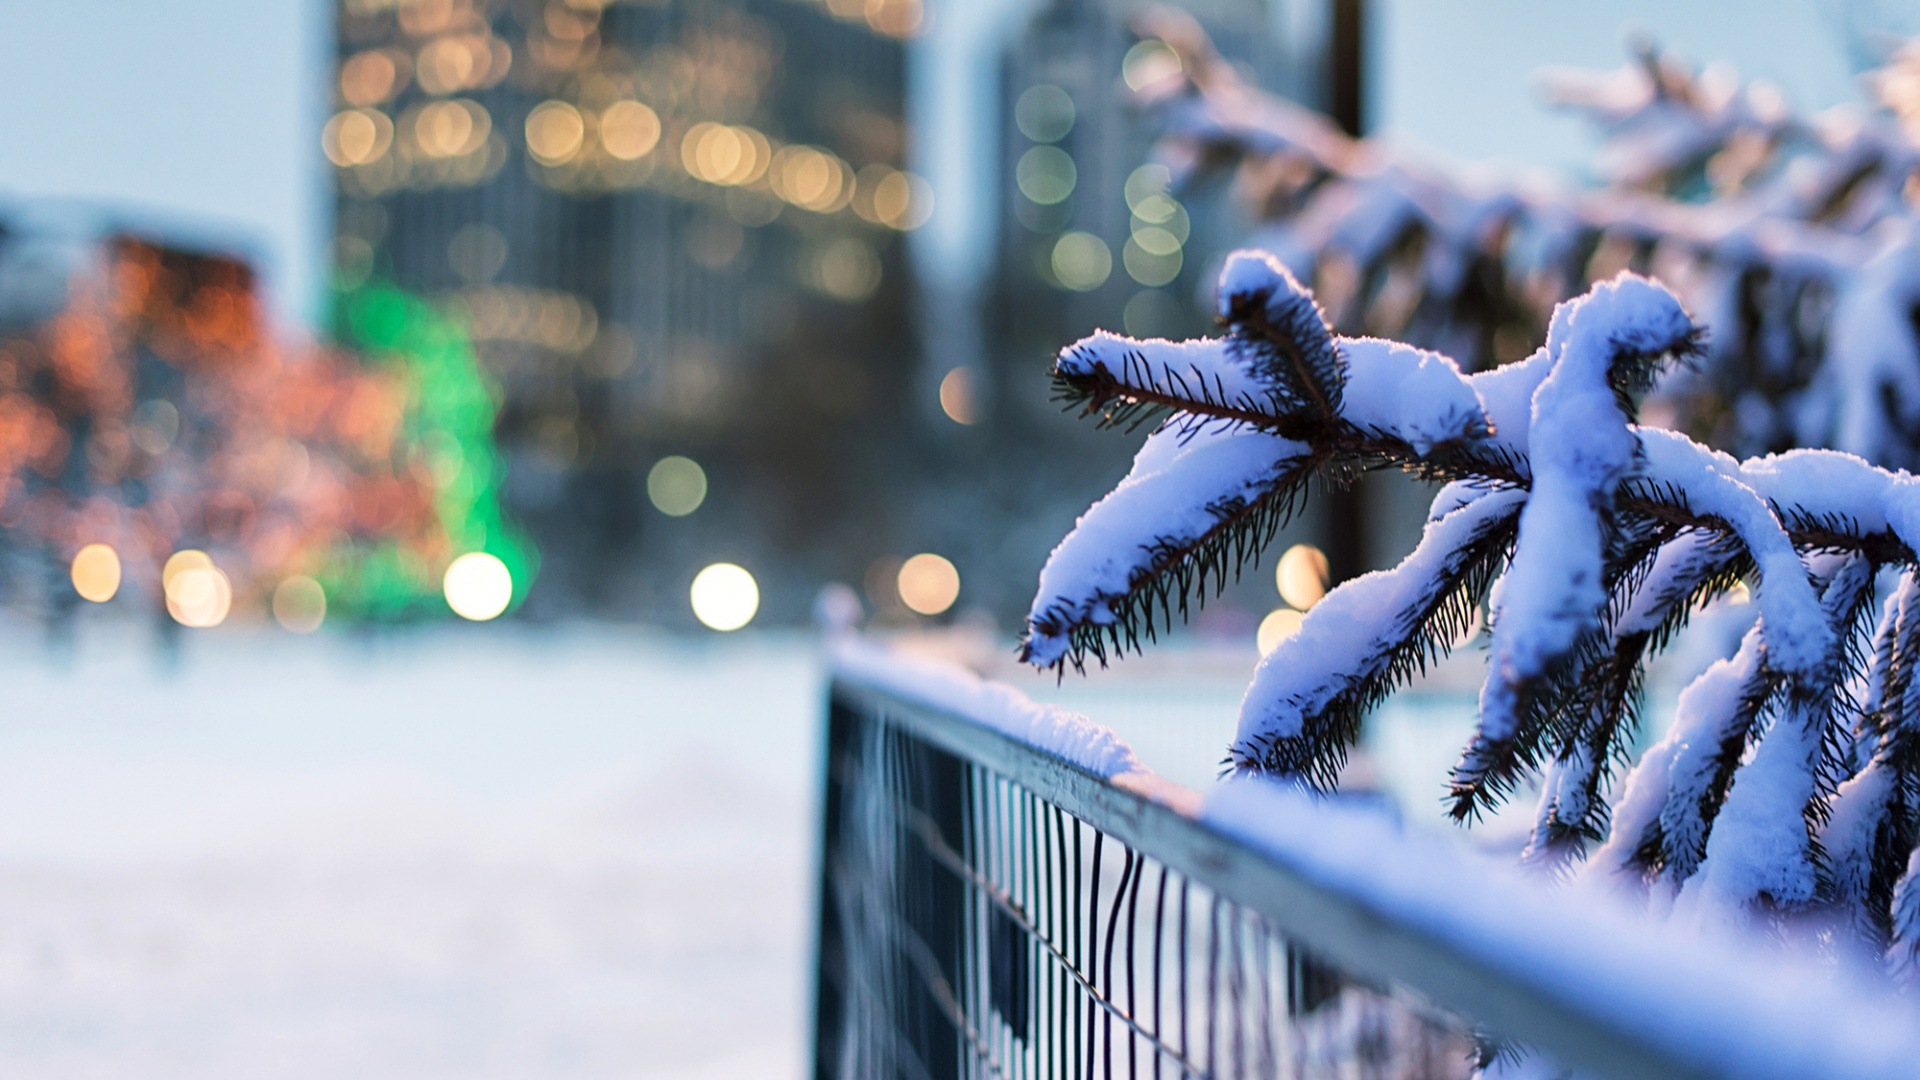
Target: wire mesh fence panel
[(972, 927)]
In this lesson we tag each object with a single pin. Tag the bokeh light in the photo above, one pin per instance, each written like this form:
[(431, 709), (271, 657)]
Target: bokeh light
[(1044, 113), (629, 130), (96, 573), (180, 562), (1046, 175), (1302, 576), (676, 486), (478, 586), (300, 604), (198, 592), (1081, 261), (929, 584), (555, 131), (446, 129), (957, 396), (809, 177), (847, 269), (1276, 628), (356, 137), (1148, 63), (725, 597)]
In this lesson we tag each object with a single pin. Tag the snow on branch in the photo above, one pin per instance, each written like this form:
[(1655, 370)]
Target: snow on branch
[(1794, 236), (1790, 779)]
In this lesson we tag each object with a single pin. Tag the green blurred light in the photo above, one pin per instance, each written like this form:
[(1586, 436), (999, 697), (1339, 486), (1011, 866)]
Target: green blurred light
[(451, 406)]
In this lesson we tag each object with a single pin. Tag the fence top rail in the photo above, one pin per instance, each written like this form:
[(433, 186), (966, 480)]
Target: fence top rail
[(1574, 972)]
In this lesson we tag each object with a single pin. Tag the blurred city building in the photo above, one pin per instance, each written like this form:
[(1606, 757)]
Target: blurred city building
[(1091, 234), (162, 446), (674, 234)]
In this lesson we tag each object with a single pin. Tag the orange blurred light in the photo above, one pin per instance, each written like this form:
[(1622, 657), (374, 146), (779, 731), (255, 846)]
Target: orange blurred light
[(1302, 576), (957, 396), (629, 130), (369, 78), (96, 573), (356, 137), (929, 584), (199, 596), (555, 132)]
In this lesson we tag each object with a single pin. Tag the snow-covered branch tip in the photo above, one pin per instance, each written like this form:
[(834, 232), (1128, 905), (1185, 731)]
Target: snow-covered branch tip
[(1590, 540)]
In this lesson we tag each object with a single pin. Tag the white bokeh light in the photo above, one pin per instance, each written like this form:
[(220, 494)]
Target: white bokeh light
[(478, 586), (725, 597)]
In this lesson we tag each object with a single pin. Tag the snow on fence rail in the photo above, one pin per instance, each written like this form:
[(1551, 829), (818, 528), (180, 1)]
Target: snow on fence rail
[(1007, 891)]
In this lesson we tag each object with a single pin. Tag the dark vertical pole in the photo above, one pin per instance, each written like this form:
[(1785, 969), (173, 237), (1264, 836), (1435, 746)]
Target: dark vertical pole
[(1346, 512), (1347, 45), (830, 948)]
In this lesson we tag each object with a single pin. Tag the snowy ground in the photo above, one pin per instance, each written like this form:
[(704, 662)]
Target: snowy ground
[(482, 854), (474, 852)]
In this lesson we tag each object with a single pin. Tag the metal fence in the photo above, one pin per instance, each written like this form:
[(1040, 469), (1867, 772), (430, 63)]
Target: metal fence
[(971, 926), (988, 909)]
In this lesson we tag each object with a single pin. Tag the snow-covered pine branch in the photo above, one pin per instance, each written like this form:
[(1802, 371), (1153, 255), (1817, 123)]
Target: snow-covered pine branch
[(1795, 237), (1790, 778)]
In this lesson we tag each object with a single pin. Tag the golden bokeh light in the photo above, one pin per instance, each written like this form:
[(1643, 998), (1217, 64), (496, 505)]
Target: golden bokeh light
[(369, 78), (198, 592), (957, 396), (725, 597), (460, 62), (300, 604), (356, 137), (902, 200), (725, 155), (446, 129), (555, 132), (895, 18), (928, 584), (676, 486), (1276, 628), (629, 130), (478, 586), (1302, 576), (96, 573), (811, 178), (181, 561)]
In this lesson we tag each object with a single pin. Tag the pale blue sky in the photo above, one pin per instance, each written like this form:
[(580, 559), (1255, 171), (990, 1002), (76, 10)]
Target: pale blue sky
[(1457, 75), (204, 114)]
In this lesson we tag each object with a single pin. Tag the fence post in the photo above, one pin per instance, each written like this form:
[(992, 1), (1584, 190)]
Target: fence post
[(830, 960)]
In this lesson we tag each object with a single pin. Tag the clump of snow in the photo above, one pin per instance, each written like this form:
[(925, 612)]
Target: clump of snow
[(1581, 447), (1185, 481), (1347, 635), (1799, 639), (1760, 848), (1202, 369), (1412, 394)]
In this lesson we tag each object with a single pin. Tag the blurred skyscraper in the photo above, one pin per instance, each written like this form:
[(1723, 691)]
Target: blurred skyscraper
[(674, 231), (1091, 234)]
